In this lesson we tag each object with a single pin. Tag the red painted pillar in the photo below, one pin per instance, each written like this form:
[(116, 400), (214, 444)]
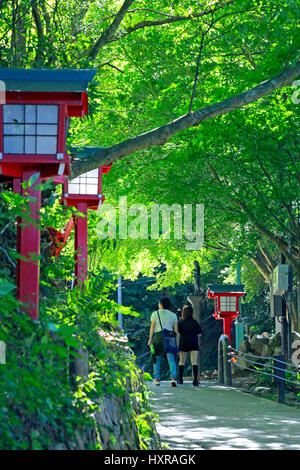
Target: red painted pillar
[(28, 270), (81, 255), (227, 322), (17, 188)]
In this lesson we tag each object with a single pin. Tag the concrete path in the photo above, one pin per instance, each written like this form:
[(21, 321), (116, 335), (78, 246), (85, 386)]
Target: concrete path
[(216, 417)]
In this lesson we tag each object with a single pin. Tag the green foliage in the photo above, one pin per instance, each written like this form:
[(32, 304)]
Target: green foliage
[(43, 402), (243, 167), (145, 78), (147, 377)]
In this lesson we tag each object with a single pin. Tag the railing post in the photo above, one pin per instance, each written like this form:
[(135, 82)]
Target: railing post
[(220, 361), (224, 364), (280, 377), (227, 361)]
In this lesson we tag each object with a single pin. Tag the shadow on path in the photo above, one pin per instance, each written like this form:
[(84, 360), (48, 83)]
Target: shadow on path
[(215, 417)]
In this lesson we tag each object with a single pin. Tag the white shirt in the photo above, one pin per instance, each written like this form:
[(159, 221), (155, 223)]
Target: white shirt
[(167, 319)]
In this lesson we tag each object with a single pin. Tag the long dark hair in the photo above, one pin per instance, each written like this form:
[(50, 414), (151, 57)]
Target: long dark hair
[(187, 313)]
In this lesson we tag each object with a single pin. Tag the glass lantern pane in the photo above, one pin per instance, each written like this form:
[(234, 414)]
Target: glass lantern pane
[(47, 114), (82, 188), (92, 189), (30, 129), (93, 173), (30, 113), (46, 145), (13, 129), (87, 183), (228, 303), (13, 113), (92, 181), (30, 142), (13, 144), (73, 188), (46, 129)]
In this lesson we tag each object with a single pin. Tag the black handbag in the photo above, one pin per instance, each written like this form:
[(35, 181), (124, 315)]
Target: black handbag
[(158, 344)]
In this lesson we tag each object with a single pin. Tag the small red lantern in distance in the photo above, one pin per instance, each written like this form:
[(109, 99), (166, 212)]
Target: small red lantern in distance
[(226, 303)]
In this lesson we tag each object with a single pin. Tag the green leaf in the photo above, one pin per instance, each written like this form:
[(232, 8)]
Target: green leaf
[(6, 287)]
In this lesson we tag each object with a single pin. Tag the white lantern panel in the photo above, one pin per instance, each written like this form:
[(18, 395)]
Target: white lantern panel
[(38, 121), (93, 189), (29, 144), (30, 129), (13, 129), (13, 144), (227, 303), (46, 145), (87, 183), (92, 181), (93, 174), (46, 129), (73, 188), (13, 113), (47, 114), (30, 113)]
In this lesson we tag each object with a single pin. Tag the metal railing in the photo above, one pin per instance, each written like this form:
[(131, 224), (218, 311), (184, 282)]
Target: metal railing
[(273, 366)]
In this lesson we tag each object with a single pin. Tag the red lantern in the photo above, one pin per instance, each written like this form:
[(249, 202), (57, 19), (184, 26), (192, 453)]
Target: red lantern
[(33, 127), (226, 303), (85, 188), (83, 192)]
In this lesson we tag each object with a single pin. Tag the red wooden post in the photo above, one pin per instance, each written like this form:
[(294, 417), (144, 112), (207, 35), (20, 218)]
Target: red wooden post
[(227, 322), (17, 188), (81, 255), (29, 245)]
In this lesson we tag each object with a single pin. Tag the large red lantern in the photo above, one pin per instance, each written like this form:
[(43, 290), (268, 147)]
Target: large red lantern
[(33, 127), (226, 303)]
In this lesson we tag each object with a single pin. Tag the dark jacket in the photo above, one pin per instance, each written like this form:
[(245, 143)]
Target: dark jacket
[(189, 330)]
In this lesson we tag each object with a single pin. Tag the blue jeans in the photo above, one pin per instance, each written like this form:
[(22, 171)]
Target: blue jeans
[(172, 365)]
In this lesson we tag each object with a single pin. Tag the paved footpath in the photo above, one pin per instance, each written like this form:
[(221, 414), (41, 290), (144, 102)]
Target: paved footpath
[(214, 417)]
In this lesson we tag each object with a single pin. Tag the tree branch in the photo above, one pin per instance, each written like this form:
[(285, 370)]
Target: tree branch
[(172, 19), (261, 266), (8, 257), (39, 28), (270, 262), (161, 135), (278, 241), (108, 34)]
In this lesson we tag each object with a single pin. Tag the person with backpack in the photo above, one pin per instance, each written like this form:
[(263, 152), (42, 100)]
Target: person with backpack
[(188, 330), (163, 332)]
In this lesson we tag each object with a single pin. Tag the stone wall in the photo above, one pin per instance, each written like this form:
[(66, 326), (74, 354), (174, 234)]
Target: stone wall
[(115, 423)]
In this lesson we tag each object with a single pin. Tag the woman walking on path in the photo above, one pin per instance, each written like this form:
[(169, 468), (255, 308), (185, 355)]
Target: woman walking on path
[(163, 318), (188, 329)]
